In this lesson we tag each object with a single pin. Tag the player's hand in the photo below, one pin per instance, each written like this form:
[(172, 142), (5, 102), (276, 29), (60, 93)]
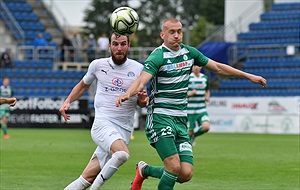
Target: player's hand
[(143, 98), (122, 98), (63, 110), (194, 91), (12, 101), (259, 80)]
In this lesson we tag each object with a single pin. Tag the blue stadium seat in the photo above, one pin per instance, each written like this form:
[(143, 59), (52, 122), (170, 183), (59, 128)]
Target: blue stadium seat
[(47, 83)]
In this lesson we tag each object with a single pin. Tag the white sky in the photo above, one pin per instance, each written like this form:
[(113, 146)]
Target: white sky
[(73, 10)]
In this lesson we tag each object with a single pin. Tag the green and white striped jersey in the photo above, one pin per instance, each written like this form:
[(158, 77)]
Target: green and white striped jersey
[(196, 103), (171, 71), (5, 93)]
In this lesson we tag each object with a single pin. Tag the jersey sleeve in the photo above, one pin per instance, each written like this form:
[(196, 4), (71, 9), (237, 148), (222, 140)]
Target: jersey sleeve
[(199, 58), (153, 62), (90, 76)]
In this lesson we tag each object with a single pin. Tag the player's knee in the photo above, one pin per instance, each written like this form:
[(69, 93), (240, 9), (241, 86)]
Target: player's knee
[(4, 120), (122, 156), (174, 168), (191, 132), (185, 175), (206, 126), (172, 164)]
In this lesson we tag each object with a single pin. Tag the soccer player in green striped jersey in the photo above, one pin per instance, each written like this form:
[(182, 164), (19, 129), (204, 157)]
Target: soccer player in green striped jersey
[(5, 92), (169, 67), (199, 94)]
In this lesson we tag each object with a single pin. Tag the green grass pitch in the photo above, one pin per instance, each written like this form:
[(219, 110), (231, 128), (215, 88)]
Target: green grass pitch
[(48, 159)]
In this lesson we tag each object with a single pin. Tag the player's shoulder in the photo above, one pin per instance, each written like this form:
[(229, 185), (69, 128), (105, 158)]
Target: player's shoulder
[(158, 50), (157, 54), (99, 62), (135, 63), (189, 48)]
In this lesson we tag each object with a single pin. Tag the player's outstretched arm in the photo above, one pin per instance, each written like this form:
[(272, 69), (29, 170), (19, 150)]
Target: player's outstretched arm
[(11, 101), (226, 70), (137, 86)]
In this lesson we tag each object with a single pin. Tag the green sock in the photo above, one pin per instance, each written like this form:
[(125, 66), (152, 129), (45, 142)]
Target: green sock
[(199, 132), (153, 171), (167, 181), (4, 128)]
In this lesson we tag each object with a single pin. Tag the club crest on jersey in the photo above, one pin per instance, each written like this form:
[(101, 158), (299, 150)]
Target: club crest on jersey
[(117, 81), (185, 57), (130, 74)]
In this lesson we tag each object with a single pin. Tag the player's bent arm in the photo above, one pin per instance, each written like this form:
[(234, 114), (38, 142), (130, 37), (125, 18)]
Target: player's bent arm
[(192, 93), (75, 94), (78, 90), (137, 86), (226, 70)]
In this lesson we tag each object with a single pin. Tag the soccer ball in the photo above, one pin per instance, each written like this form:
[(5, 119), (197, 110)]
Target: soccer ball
[(124, 21)]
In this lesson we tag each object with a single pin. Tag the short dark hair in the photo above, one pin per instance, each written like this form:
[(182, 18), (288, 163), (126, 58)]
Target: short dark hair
[(118, 35)]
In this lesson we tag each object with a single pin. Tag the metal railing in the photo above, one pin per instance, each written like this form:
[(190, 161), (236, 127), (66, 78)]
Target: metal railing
[(240, 24), (12, 23), (78, 55), (237, 54), (58, 16)]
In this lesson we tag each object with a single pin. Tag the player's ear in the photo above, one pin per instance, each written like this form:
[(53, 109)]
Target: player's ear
[(161, 35)]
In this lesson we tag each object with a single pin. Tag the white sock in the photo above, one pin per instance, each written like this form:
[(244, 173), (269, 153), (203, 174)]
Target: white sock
[(117, 159), (79, 184)]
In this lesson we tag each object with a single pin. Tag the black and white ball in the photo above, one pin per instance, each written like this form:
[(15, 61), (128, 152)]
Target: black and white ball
[(124, 21)]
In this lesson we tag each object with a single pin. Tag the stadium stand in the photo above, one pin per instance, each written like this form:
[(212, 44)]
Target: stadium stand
[(271, 49), (34, 74), (262, 50)]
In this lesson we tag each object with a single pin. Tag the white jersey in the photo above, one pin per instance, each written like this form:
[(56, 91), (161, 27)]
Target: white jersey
[(112, 81)]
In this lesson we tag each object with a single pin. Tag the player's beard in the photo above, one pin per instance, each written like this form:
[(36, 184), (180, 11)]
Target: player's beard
[(119, 61)]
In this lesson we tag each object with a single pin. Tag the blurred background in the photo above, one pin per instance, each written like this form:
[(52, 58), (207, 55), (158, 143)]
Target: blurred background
[(45, 50)]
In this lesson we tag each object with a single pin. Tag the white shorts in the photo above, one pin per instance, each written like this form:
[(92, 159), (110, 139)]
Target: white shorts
[(104, 133)]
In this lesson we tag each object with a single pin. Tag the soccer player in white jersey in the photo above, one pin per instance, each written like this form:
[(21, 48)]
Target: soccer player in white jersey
[(198, 95), (169, 67), (112, 126)]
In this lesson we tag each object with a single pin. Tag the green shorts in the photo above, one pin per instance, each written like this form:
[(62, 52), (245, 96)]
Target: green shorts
[(164, 126), (4, 113), (197, 119)]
